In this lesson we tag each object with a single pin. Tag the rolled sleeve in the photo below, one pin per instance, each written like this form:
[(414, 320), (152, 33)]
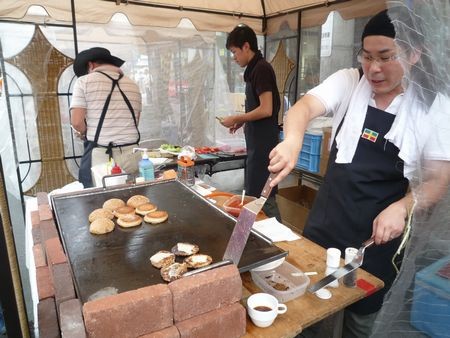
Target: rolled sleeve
[(78, 94)]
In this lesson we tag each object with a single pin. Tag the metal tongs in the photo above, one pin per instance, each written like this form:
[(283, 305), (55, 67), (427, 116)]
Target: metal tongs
[(346, 269)]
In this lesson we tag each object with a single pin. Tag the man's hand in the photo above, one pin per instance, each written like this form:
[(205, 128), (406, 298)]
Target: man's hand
[(229, 121), (283, 159), (284, 156), (234, 128), (77, 134), (233, 123), (390, 223)]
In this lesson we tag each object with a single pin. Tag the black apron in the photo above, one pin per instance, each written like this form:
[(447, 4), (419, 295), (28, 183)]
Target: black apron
[(261, 137), (84, 174), (353, 194)]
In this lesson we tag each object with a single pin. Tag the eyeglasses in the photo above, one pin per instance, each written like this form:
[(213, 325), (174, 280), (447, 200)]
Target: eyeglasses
[(365, 59)]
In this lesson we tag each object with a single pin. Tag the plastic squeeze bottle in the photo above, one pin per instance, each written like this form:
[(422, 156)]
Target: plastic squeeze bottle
[(146, 169), (116, 169)]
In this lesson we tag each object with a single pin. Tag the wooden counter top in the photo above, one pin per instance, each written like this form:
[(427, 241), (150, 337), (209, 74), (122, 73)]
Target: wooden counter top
[(307, 309)]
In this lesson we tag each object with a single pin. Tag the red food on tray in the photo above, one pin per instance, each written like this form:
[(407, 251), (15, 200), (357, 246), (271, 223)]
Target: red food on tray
[(206, 150), (233, 205)]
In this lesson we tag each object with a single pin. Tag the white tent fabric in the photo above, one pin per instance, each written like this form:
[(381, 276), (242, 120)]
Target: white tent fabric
[(164, 13), (169, 13)]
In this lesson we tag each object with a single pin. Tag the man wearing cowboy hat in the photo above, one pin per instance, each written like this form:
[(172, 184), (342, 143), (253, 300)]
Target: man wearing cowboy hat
[(105, 111)]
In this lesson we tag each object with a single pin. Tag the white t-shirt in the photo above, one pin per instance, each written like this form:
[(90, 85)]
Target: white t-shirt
[(90, 92), (417, 133)]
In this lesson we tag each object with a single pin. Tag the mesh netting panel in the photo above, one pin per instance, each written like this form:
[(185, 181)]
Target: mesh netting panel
[(418, 304)]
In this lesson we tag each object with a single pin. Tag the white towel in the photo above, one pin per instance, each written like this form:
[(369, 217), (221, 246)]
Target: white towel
[(350, 132), (410, 129), (418, 131)]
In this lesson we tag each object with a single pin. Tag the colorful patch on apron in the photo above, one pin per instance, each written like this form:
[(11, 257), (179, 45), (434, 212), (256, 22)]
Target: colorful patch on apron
[(370, 135)]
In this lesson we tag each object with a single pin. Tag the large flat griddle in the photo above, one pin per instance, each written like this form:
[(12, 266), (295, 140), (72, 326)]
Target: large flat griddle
[(120, 260)]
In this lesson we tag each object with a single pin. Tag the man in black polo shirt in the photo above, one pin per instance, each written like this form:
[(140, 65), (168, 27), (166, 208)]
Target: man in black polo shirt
[(262, 103)]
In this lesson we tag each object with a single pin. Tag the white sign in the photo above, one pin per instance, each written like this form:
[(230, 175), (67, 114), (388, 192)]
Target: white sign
[(326, 40)]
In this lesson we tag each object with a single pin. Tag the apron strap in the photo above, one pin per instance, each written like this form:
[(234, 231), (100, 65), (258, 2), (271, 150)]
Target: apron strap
[(127, 102), (105, 107)]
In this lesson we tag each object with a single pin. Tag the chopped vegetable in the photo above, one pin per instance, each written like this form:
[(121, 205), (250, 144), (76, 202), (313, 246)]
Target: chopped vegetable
[(170, 147)]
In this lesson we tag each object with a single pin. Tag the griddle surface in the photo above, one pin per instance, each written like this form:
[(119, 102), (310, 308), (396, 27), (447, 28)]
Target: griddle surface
[(120, 260)]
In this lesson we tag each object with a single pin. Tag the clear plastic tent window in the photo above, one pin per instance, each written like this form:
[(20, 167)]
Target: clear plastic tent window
[(180, 71), (418, 304)]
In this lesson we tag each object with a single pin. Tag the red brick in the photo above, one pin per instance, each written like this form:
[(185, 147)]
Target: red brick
[(48, 319), (55, 252), (226, 322), (45, 213), (35, 218), (170, 332), (206, 291), (71, 319), (63, 283), (48, 230), (36, 233), (129, 314), (42, 198), (39, 256), (44, 283)]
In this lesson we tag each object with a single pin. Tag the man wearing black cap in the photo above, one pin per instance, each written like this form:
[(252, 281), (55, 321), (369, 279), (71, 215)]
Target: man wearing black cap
[(379, 139), (105, 111)]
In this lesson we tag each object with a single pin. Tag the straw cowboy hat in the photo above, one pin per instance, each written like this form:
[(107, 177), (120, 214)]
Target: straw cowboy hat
[(93, 54)]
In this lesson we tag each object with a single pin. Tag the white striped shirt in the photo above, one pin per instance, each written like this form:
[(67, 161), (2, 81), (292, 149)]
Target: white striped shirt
[(90, 92)]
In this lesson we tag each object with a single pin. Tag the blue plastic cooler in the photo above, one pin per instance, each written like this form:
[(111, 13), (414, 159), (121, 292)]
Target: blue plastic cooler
[(430, 311)]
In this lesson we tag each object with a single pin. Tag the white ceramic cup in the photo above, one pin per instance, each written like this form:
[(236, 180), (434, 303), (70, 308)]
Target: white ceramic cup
[(263, 308)]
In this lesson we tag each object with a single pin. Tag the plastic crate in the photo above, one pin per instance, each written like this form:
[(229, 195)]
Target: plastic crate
[(312, 143), (430, 312), (308, 162), (309, 158)]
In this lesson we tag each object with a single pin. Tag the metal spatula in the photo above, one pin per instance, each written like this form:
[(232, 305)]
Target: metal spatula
[(244, 224), (346, 269)]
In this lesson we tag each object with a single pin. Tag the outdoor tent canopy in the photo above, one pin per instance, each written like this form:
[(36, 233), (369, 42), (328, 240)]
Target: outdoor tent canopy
[(264, 16)]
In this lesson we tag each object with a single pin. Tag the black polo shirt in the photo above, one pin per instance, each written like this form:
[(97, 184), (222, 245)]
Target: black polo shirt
[(261, 136)]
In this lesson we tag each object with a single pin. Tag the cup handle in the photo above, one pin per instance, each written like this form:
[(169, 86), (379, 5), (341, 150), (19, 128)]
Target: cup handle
[(282, 308)]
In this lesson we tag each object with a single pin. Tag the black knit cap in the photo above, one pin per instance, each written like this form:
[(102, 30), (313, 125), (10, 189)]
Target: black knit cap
[(380, 24)]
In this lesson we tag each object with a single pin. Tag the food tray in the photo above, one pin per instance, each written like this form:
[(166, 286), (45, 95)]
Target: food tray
[(174, 153), (285, 282)]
